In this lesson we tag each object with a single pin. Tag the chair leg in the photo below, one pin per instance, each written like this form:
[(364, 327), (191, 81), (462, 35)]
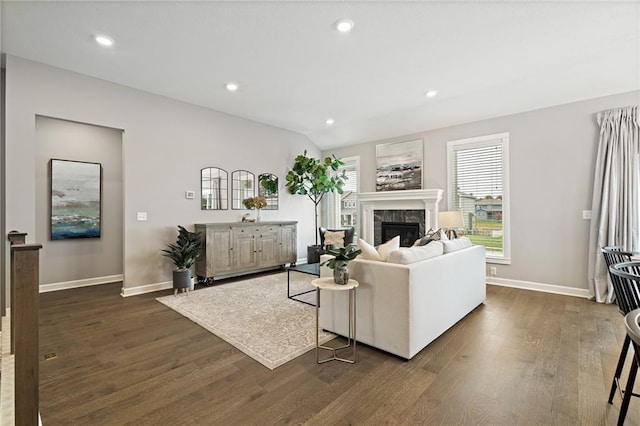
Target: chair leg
[(618, 374), (628, 393)]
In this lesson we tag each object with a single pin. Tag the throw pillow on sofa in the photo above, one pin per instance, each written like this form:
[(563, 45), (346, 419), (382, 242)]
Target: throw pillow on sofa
[(407, 255), (457, 244), (335, 239), (432, 235), (369, 252)]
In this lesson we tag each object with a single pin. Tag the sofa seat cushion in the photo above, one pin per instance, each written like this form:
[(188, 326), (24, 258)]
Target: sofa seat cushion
[(457, 244), (407, 255), (369, 252)]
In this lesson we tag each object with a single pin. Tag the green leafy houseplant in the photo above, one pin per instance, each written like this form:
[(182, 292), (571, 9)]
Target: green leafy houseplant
[(341, 256), (311, 177), (185, 251)]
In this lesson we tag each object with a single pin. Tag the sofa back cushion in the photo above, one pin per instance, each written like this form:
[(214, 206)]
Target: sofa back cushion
[(407, 255), (369, 252), (457, 244)]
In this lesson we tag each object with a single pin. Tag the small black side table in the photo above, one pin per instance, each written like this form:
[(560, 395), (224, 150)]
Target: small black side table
[(305, 268)]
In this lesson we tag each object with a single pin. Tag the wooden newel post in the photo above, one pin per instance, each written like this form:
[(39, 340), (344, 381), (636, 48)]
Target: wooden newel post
[(24, 309), (15, 238)]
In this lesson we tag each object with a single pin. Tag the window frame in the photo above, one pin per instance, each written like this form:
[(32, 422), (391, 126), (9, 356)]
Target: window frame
[(477, 142)]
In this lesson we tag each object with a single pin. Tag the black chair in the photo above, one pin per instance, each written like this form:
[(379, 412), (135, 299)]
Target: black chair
[(612, 256), (625, 278), (348, 236)]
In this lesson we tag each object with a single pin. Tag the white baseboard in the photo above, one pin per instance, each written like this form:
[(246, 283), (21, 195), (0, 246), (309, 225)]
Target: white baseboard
[(545, 288), (66, 285), (147, 288)]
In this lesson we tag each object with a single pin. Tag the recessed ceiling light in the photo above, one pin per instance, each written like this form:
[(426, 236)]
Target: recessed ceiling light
[(104, 40), (431, 93), (232, 87), (344, 25), (329, 121)]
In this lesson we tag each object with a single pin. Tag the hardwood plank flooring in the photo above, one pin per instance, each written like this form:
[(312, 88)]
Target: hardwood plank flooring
[(522, 358)]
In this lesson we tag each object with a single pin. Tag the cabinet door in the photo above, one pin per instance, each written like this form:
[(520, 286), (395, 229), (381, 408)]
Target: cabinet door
[(245, 249), (288, 244), (269, 247), (216, 256)]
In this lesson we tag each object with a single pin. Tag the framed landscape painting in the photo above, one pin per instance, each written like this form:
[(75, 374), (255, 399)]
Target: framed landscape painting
[(76, 191), (399, 166)]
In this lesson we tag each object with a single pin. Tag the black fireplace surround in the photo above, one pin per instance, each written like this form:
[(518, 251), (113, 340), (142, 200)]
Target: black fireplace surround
[(409, 232)]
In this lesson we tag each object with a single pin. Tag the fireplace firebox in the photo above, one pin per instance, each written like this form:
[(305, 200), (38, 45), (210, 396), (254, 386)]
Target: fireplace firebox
[(409, 232)]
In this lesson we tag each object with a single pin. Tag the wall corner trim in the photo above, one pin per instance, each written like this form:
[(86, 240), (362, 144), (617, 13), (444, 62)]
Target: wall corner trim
[(66, 285), (545, 288)]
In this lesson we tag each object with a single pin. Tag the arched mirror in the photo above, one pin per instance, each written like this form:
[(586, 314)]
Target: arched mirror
[(268, 188), (242, 186), (214, 189)]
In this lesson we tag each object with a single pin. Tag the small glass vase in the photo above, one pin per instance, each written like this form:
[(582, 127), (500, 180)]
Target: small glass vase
[(341, 275)]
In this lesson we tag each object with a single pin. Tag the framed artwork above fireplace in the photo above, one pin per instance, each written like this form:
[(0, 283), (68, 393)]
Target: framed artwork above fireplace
[(399, 166)]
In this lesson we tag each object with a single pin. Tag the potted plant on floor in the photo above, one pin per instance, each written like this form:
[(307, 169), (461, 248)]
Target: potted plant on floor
[(183, 253), (340, 261), (311, 177)]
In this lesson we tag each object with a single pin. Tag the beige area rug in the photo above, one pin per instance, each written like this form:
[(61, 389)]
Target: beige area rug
[(255, 316)]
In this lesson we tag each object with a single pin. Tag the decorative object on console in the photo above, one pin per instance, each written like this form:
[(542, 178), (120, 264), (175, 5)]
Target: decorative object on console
[(450, 221), (183, 253), (247, 218), (75, 199), (399, 166), (213, 189), (268, 188), (310, 176), (257, 203), (340, 261)]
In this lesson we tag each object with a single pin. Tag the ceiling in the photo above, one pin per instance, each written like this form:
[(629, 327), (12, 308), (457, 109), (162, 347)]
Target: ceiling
[(295, 70)]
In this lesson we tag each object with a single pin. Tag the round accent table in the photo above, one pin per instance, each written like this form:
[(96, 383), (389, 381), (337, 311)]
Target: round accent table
[(327, 284)]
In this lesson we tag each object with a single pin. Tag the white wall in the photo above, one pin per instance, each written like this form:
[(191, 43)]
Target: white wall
[(63, 261), (165, 144), (552, 154)]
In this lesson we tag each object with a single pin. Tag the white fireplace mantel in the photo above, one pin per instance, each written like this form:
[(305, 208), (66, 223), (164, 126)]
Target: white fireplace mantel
[(418, 199)]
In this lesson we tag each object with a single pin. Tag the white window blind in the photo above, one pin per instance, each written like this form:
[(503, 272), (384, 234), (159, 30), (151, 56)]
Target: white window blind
[(478, 182), (342, 208)]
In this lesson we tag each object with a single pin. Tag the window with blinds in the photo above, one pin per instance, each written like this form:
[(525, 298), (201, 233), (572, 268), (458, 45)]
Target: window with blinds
[(342, 209), (477, 185)]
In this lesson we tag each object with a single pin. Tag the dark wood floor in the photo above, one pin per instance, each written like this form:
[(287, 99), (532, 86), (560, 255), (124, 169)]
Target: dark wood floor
[(522, 358)]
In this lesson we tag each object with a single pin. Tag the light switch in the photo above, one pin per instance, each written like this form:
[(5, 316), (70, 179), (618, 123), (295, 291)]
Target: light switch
[(142, 216), (586, 214), (189, 195)]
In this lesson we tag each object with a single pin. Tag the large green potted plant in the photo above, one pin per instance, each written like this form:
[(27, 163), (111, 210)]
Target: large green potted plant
[(183, 253), (312, 177)]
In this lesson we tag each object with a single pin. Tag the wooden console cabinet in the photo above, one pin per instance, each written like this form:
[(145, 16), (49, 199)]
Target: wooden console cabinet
[(241, 247)]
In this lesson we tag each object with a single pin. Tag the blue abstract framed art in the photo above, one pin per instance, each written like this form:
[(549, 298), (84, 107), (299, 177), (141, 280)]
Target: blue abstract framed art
[(76, 199)]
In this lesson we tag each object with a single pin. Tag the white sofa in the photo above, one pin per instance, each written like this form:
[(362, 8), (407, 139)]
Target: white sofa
[(401, 308)]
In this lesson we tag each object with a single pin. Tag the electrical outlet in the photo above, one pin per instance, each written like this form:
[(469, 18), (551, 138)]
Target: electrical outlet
[(586, 214), (142, 216), (494, 271)]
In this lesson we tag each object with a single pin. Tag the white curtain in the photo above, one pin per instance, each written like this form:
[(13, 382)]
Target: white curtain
[(615, 193)]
